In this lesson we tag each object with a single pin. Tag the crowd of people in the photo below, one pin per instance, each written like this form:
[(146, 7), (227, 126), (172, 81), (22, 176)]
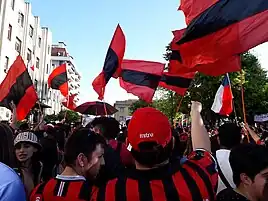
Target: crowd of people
[(149, 160)]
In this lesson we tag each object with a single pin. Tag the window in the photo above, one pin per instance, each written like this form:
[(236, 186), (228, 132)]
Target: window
[(21, 19), (47, 69), (39, 42), (9, 32), (121, 118), (18, 45), (35, 84), (48, 49), (31, 31), (45, 89), (12, 4), (49, 95), (37, 62), (121, 109), (6, 64), (29, 55)]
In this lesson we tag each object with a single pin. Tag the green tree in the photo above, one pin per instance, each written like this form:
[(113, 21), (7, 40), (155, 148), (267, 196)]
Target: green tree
[(69, 115), (51, 118), (138, 104), (204, 88)]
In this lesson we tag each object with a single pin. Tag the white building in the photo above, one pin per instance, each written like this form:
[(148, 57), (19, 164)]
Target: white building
[(21, 33), (60, 55)]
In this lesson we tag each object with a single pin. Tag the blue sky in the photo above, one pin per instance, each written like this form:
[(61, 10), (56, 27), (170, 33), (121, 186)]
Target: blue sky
[(87, 26)]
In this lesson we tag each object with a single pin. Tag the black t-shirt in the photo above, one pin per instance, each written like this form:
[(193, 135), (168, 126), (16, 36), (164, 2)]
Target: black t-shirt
[(230, 195)]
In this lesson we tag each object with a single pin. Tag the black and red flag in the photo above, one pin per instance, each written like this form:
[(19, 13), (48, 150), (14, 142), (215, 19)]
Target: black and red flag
[(222, 66), (69, 102), (192, 8), (141, 78), (18, 87), (112, 64), (58, 80), (225, 29), (178, 83)]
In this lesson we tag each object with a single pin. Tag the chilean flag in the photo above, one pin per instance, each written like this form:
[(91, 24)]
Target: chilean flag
[(223, 102)]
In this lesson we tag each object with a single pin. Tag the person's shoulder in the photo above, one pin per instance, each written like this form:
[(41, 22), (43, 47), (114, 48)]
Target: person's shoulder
[(229, 194), (11, 187), (203, 158), (7, 174)]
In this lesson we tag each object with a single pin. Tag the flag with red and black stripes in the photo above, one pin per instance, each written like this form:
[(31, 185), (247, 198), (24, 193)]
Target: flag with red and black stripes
[(178, 83), (58, 79), (112, 62), (222, 66), (18, 87), (223, 30), (192, 8), (141, 78)]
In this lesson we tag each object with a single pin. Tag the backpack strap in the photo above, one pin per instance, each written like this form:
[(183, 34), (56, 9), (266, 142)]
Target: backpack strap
[(221, 175)]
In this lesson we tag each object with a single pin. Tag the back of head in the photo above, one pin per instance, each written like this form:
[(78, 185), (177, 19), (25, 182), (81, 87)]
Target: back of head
[(81, 141), (6, 145), (230, 135), (150, 137), (108, 126), (249, 159)]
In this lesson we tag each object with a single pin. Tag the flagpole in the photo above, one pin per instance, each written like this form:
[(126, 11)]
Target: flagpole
[(242, 97), (105, 109), (65, 115)]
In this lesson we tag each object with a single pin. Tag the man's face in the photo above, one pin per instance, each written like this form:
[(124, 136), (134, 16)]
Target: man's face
[(95, 163), (260, 185)]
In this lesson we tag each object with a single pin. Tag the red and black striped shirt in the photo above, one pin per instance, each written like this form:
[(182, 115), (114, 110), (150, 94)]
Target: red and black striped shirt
[(194, 180), (63, 188)]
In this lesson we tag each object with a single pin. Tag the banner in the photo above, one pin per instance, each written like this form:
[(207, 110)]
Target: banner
[(261, 118)]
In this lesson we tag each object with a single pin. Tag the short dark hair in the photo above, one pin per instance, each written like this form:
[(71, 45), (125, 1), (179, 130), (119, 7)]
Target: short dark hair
[(81, 141), (230, 135), (6, 146), (249, 159), (109, 126), (151, 153)]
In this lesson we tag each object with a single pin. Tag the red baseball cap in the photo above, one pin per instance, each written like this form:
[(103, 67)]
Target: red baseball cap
[(148, 125)]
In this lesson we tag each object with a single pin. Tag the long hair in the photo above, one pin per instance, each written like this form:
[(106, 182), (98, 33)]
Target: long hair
[(7, 155)]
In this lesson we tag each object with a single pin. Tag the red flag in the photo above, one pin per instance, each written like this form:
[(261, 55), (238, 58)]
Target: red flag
[(69, 103), (18, 87), (112, 64), (223, 31), (32, 67), (58, 80), (192, 8), (141, 78), (222, 66)]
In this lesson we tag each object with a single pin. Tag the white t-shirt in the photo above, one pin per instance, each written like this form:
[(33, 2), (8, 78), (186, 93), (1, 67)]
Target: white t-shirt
[(223, 161)]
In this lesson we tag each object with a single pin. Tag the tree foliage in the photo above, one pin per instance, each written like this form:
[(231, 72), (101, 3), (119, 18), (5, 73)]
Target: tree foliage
[(138, 104), (203, 89), (70, 116)]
